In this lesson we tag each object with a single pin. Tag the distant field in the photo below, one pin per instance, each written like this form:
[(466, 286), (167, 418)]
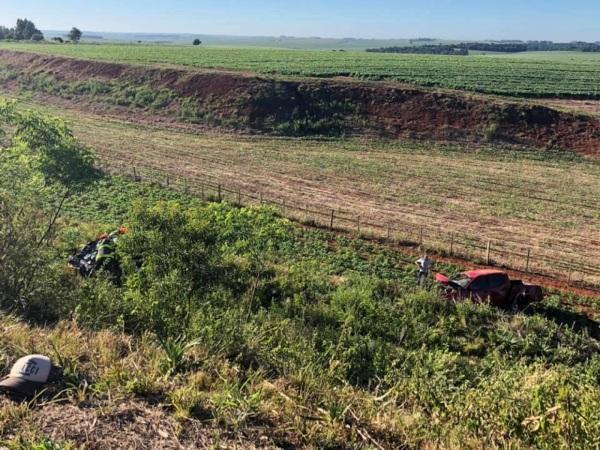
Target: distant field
[(535, 74), (289, 42)]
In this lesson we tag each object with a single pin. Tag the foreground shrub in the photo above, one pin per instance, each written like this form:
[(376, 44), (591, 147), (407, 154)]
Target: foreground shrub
[(41, 166)]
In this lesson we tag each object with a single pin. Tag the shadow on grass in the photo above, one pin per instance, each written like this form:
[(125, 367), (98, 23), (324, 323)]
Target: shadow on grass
[(578, 322)]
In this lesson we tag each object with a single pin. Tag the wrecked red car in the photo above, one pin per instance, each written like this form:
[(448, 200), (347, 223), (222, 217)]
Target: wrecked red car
[(493, 286)]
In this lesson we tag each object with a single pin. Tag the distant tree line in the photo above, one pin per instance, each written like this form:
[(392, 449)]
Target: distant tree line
[(24, 30), (462, 49), (545, 46), (423, 50), (504, 47)]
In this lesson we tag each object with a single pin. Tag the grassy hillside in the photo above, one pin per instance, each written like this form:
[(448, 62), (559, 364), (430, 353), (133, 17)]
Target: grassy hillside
[(233, 326), (283, 344), (537, 75)]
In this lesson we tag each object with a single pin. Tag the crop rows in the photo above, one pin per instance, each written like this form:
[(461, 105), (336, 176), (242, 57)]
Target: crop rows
[(545, 75), (316, 199), (530, 260)]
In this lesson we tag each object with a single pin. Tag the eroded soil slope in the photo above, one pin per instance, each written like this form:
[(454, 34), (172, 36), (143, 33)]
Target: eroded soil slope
[(297, 106)]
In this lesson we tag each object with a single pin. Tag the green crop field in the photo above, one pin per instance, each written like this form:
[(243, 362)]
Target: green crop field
[(538, 74)]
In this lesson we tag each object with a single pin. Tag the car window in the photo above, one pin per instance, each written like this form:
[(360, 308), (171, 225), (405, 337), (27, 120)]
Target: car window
[(463, 281), (496, 281)]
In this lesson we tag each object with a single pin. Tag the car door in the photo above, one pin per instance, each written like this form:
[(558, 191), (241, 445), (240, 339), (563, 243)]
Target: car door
[(478, 289), (498, 287)]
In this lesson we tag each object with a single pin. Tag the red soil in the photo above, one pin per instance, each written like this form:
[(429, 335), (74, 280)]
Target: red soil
[(385, 108)]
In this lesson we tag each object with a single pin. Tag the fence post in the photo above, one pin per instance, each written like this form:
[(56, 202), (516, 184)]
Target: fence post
[(487, 252), (283, 209), (202, 190), (421, 236), (528, 259), (134, 174), (167, 179), (331, 221), (389, 234), (239, 198), (261, 197), (452, 244), (358, 224)]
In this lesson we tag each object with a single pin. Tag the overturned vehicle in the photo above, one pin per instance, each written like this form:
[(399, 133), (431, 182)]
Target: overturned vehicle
[(493, 286)]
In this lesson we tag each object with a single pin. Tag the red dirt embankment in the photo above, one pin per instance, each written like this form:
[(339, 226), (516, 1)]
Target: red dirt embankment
[(304, 106)]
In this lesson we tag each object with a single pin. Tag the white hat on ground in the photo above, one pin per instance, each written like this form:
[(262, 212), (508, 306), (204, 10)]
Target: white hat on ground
[(28, 375)]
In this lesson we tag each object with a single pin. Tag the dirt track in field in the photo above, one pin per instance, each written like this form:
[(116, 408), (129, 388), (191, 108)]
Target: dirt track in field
[(404, 187), (585, 106)]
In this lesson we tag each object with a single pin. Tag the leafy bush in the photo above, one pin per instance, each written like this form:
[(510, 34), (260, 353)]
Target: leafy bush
[(41, 166)]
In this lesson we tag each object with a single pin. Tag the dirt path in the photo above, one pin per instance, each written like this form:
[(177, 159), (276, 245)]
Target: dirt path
[(586, 106)]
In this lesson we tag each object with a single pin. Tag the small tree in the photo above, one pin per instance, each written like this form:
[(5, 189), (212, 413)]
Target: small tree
[(75, 35), (58, 39), (197, 42), (26, 30)]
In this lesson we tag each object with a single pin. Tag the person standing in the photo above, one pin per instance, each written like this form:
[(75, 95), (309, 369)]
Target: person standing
[(425, 263)]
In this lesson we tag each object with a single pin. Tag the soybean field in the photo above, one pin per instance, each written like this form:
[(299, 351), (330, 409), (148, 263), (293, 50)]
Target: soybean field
[(531, 74)]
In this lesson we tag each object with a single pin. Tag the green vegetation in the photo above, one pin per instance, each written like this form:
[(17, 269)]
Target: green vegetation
[(43, 166), (464, 48), (110, 92), (313, 117), (553, 74), (235, 318), (423, 50), (24, 30)]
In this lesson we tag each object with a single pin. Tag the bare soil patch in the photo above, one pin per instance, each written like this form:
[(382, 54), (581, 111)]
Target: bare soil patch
[(132, 425)]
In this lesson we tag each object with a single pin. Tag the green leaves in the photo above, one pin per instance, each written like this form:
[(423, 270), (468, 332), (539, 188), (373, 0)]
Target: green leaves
[(47, 145), (40, 165)]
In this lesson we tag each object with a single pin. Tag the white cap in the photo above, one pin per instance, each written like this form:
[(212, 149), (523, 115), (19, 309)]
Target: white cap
[(28, 375)]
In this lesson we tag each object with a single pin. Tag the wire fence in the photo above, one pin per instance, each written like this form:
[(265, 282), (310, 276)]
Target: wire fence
[(506, 253)]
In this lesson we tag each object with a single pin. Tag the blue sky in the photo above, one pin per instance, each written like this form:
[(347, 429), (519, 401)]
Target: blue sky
[(560, 20)]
